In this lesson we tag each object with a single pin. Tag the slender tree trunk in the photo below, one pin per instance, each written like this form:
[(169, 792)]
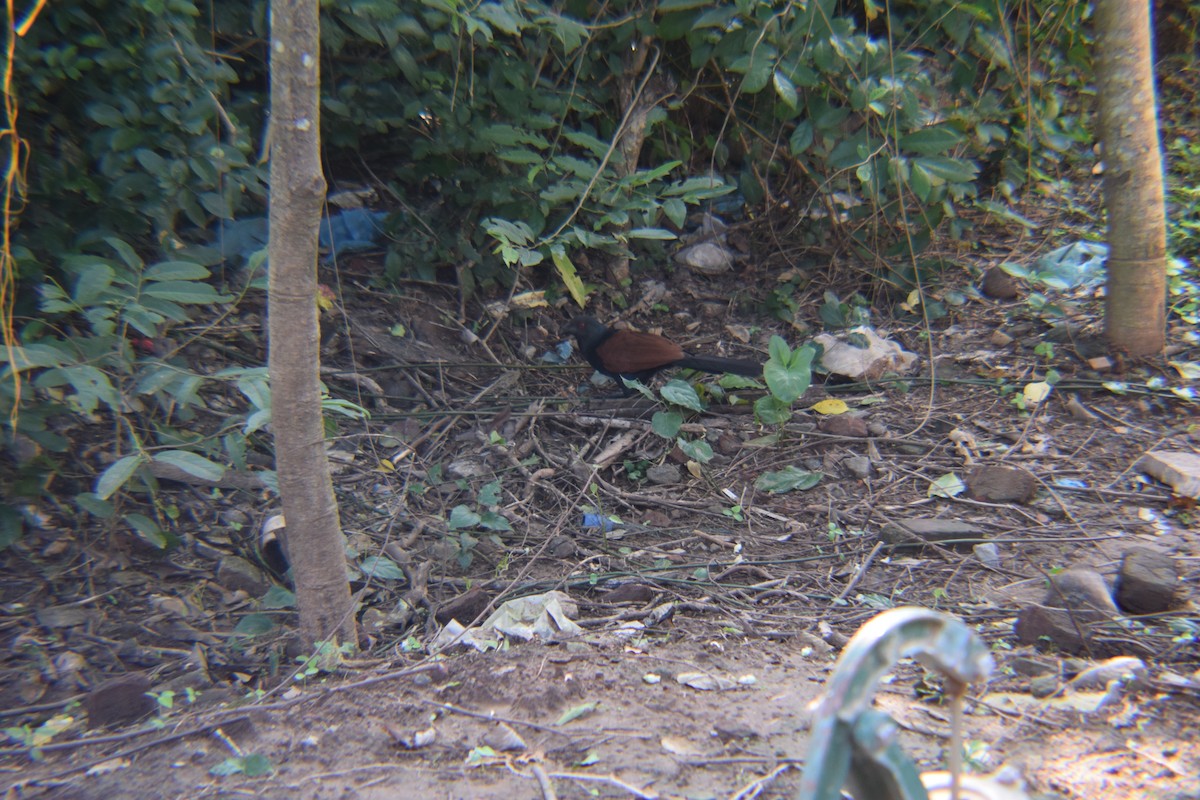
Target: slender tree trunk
[(314, 538), (1135, 317)]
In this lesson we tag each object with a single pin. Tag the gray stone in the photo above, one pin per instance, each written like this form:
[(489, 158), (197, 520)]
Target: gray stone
[(664, 474), (935, 531), (998, 284), (848, 425), (1039, 625), (999, 484), (236, 573), (1124, 668), (1044, 685), (1147, 582), (119, 701), (858, 466), (1083, 591), (1032, 666), (988, 554)]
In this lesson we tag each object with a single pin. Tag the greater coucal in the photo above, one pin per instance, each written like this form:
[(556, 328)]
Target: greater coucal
[(637, 356)]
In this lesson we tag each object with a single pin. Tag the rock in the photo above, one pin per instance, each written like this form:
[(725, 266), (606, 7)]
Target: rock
[(707, 258), (64, 616), (998, 284), (858, 466), (728, 444), (1123, 668), (1180, 471), (876, 429), (1032, 666), (1147, 582), (236, 573), (664, 474), (1083, 591), (465, 608), (630, 593), (988, 554), (1037, 625), (119, 701), (1043, 686), (844, 425), (999, 484), (562, 546), (1000, 339), (900, 534)]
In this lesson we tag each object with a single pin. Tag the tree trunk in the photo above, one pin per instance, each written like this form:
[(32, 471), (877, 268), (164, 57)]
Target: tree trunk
[(1135, 317), (314, 541)]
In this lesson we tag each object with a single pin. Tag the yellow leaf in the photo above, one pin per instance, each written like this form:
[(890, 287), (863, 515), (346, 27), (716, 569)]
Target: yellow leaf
[(831, 407), (530, 299), (325, 297), (694, 468), (1036, 392), (570, 278)]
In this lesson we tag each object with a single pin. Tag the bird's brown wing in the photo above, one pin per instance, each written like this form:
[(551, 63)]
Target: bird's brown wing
[(629, 352)]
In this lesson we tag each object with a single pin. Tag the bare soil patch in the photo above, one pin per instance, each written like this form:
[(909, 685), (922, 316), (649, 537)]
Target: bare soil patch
[(727, 580)]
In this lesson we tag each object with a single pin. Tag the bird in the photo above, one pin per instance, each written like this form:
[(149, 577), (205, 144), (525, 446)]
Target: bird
[(638, 356)]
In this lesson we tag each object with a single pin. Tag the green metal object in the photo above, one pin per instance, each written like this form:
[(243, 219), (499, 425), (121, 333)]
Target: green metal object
[(853, 746)]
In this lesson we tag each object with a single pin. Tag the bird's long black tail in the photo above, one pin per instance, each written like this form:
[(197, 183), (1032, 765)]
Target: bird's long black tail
[(719, 365)]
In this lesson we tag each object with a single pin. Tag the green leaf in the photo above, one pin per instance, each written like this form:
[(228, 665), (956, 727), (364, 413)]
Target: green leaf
[(650, 233), (278, 597), (91, 283), (643, 177), (490, 520), (91, 387), (698, 450), (771, 411), (192, 464), (33, 356), (666, 423), (576, 712), (788, 373), (787, 479), (587, 141), (931, 141), (786, 90), (498, 16), (149, 530), (89, 502), (254, 625), (381, 568), (802, 137), (668, 6), (185, 292), (462, 516), (12, 524), (126, 253), (681, 393), (942, 168), (255, 765), (106, 115), (116, 476), (489, 494), (176, 271), (676, 211)]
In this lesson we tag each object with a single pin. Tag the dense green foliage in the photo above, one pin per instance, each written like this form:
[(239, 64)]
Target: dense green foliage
[(497, 129)]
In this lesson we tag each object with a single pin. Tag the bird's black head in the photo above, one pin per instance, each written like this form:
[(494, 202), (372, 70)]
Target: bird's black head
[(584, 328)]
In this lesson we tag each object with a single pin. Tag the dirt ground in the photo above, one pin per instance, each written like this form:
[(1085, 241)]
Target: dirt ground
[(730, 606)]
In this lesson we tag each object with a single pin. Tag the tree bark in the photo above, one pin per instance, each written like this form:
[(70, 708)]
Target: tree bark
[(1135, 316), (314, 542)]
